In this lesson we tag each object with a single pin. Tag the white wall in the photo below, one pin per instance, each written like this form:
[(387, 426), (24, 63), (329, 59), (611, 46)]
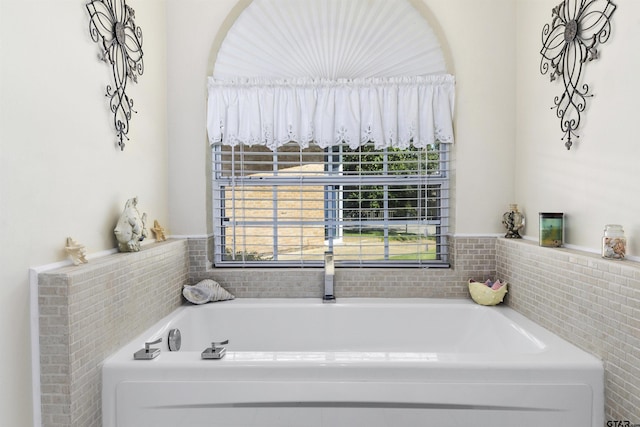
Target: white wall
[(60, 171), (62, 176), (597, 181), (191, 31), (479, 35)]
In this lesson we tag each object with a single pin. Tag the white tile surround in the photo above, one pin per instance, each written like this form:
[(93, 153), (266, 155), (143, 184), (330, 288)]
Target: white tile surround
[(89, 311)]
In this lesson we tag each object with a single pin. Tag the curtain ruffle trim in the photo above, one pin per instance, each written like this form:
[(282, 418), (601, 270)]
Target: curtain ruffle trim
[(390, 112)]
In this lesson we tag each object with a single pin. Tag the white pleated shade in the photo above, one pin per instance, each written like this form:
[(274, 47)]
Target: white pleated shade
[(330, 39)]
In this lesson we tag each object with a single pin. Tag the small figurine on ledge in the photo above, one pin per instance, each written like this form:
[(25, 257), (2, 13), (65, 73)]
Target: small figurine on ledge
[(130, 230), (76, 252), (158, 230), (513, 220)]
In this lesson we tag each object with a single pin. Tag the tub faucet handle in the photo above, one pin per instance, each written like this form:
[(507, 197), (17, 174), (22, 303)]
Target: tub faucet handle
[(148, 353), (147, 345), (215, 351), (214, 345)]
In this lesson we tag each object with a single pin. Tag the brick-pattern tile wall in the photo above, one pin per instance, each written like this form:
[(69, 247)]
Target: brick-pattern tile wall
[(199, 250), (87, 312), (592, 302), (471, 257)]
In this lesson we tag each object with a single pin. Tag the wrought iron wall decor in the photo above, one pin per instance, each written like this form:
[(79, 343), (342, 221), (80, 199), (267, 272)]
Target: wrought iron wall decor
[(112, 24), (571, 40)]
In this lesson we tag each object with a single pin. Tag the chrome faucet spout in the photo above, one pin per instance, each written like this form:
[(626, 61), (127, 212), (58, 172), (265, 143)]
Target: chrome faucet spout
[(329, 272)]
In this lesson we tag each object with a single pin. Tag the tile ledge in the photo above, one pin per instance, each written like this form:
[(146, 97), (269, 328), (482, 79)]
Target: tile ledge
[(572, 251), (105, 258)]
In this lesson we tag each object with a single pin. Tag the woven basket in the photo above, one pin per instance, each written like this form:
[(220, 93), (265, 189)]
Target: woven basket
[(484, 295)]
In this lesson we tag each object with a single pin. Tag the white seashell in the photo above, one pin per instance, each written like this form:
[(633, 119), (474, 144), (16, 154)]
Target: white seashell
[(206, 291), (76, 252)]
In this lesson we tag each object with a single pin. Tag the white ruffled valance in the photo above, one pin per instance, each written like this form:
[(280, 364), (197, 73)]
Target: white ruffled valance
[(391, 112)]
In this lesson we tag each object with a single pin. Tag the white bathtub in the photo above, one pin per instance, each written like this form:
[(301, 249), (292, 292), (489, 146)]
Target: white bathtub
[(359, 362)]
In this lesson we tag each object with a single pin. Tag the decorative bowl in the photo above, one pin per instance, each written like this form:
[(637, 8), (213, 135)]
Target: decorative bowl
[(484, 295)]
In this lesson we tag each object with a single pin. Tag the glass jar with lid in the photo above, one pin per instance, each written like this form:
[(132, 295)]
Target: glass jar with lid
[(614, 242)]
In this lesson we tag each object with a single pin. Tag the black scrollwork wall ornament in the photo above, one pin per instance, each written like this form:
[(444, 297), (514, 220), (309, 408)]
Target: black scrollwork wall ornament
[(577, 27), (112, 24)]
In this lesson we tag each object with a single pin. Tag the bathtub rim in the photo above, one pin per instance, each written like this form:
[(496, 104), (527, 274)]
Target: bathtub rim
[(555, 349)]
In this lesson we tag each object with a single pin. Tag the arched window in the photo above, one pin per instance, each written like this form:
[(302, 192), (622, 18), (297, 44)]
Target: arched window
[(330, 123)]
